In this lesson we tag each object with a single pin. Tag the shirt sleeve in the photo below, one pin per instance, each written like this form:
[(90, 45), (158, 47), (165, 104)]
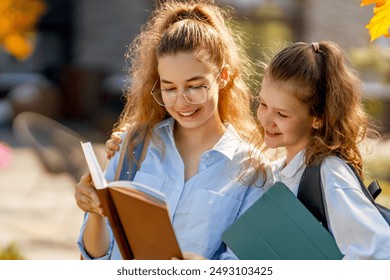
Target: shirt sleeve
[(83, 251), (359, 229), (228, 255)]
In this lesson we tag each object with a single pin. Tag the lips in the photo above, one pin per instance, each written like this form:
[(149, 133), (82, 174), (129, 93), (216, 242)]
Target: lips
[(188, 113), (272, 134)]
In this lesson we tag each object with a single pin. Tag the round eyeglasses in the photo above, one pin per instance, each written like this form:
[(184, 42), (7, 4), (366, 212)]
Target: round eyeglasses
[(192, 94)]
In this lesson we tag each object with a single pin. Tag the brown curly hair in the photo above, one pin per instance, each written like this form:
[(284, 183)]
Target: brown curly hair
[(324, 81), (191, 27)]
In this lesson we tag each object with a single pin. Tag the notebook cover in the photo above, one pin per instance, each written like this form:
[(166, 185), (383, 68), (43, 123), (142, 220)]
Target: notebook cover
[(146, 224), (278, 227), (113, 217)]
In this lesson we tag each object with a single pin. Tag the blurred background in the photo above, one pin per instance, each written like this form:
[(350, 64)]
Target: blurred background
[(62, 78)]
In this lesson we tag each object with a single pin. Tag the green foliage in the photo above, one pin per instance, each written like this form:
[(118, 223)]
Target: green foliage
[(373, 107), (378, 168), (10, 252), (372, 61), (264, 31)]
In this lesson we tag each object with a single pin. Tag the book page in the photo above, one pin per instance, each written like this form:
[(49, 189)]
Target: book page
[(137, 187), (97, 174), (141, 196)]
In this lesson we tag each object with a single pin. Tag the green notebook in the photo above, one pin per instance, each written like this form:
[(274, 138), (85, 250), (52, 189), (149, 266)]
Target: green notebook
[(279, 227)]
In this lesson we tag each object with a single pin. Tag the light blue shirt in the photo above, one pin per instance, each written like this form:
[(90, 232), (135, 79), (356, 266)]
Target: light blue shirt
[(204, 206)]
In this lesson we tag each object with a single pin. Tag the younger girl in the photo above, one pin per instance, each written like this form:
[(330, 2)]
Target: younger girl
[(310, 104)]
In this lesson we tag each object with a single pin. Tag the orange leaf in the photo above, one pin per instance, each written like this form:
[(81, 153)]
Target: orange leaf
[(18, 20), (369, 2), (18, 46), (380, 22)]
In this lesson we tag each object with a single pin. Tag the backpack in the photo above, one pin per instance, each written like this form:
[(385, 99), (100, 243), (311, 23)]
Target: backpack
[(310, 193)]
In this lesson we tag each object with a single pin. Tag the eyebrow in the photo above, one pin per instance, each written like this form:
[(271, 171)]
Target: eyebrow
[(189, 80), (276, 108), (283, 110)]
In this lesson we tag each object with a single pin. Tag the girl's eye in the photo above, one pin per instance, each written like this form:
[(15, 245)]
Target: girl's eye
[(195, 87), (262, 104), (282, 115)]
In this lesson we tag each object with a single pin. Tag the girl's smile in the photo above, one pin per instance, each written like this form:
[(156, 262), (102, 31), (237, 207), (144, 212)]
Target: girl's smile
[(286, 121)]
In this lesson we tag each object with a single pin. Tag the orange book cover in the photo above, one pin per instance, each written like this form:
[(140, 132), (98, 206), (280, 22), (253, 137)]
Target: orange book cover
[(138, 215)]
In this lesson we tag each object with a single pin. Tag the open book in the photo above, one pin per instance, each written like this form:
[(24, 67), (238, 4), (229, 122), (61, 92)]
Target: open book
[(138, 215), (278, 227)]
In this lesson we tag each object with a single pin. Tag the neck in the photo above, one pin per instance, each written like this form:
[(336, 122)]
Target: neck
[(204, 137), (291, 151), (290, 155)]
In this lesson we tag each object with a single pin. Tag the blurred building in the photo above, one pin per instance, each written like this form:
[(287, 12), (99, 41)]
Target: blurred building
[(309, 20), (81, 44), (79, 52)]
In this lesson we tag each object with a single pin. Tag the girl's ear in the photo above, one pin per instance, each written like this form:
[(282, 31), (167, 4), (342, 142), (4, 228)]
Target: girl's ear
[(317, 123), (224, 76)]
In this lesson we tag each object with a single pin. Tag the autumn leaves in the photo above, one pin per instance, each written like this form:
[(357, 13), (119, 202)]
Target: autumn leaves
[(380, 22), (18, 19)]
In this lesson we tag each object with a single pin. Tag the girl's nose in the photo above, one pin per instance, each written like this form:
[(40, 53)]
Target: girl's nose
[(265, 118), (180, 100)]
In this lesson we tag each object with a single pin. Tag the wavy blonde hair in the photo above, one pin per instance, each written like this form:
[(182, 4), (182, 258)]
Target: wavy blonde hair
[(192, 27), (323, 80)]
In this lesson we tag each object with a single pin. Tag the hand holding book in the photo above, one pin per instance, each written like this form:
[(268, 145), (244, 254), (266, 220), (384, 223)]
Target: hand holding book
[(138, 215), (86, 197), (95, 238)]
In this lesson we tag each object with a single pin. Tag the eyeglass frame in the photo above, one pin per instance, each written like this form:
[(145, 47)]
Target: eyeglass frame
[(185, 98)]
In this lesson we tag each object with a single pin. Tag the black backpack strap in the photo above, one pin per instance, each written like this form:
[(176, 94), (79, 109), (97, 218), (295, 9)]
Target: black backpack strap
[(366, 192), (310, 193), (371, 193), (374, 189)]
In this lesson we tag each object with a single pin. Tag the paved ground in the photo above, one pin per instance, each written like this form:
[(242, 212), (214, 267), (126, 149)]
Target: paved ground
[(37, 209), (38, 212)]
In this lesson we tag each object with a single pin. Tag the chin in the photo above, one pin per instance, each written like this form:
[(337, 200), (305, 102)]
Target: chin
[(272, 145)]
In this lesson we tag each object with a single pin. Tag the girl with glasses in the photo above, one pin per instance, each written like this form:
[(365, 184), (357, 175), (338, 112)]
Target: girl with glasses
[(188, 95)]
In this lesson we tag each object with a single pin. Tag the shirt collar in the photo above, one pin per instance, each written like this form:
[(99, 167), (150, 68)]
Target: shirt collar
[(169, 122), (227, 145), (292, 168), (229, 142)]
